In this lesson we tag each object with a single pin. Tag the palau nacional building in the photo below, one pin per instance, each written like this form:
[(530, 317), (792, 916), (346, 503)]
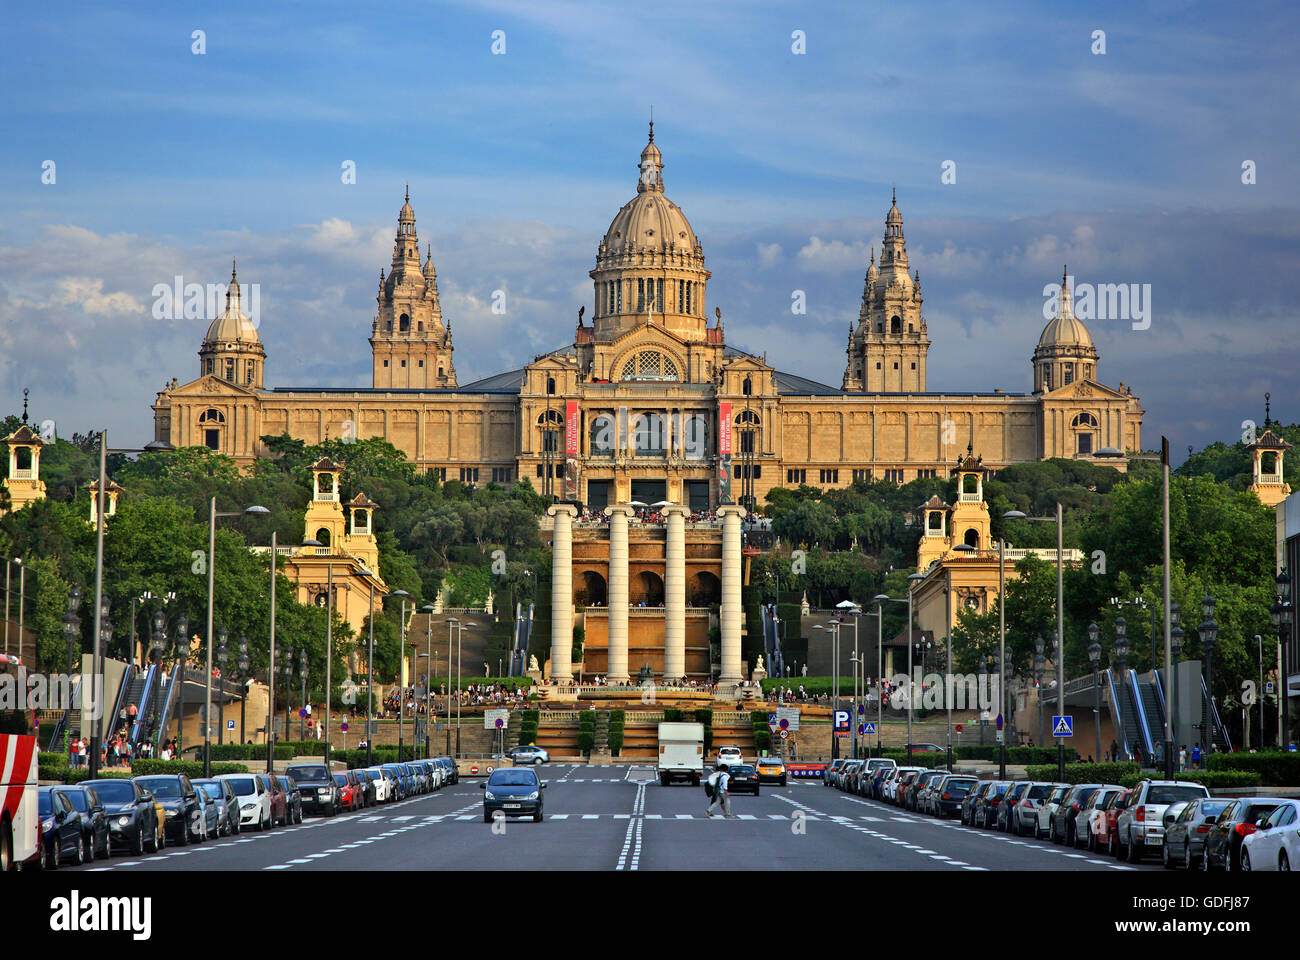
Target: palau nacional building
[(647, 403)]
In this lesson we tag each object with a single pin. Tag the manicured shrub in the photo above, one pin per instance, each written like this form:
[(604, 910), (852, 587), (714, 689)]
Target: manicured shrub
[(1275, 768), (1085, 772)]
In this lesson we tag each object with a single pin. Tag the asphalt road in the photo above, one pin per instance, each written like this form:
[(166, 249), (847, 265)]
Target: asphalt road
[(620, 818)]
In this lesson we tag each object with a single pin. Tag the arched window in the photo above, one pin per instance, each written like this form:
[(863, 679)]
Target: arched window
[(747, 421), (1083, 424), (896, 324), (550, 385), (972, 538), (212, 416), (695, 436), (23, 458), (323, 535), (648, 435), (747, 387), (603, 438), (551, 423), (404, 324), (649, 365)]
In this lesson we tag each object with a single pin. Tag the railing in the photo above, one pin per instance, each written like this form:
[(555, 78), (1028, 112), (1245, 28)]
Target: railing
[(657, 611), (165, 711), (23, 474), (151, 675), (1119, 714), (1131, 677), (1214, 713)]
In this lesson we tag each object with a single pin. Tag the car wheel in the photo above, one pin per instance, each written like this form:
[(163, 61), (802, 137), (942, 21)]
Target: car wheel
[(1134, 851), (1244, 864), (1092, 841), (487, 817), (88, 855), (537, 817), (1284, 862), (1071, 837), (52, 863), (1112, 847), (1206, 866), (80, 858), (185, 835), (136, 846), (261, 822), (1164, 858), (1187, 857), (160, 838)]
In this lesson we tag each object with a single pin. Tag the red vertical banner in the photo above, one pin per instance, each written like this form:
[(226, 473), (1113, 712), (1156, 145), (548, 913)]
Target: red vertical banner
[(724, 428), (571, 428)]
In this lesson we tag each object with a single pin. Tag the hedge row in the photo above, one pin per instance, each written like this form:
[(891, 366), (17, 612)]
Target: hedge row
[(617, 723), (1275, 768), (1085, 772), (190, 768)]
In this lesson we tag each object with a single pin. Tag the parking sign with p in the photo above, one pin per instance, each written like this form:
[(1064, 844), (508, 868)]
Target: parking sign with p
[(842, 721)]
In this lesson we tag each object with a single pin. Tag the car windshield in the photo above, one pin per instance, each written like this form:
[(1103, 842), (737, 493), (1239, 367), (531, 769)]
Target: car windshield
[(998, 789), (243, 786), (1038, 791), (302, 774), (341, 779), (212, 790), (165, 788), (512, 778), (958, 786), (115, 791), (741, 770), (1172, 794), (82, 802)]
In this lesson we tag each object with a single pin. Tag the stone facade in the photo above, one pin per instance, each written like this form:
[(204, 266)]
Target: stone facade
[(648, 402)]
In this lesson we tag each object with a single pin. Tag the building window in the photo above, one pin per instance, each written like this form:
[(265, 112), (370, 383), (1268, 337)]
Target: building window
[(895, 364), (501, 474), (403, 363), (648, 435), (420, 327), (385, 364), (404, 324), (557, 470), (913, 364), (863, 475), (896, 325), (1068, 375), (649, 365), (747, 388), (230, 370), (439, 472), (1047, 376), (796, 476), (877, 364), (550, 385), (929, 474), (659, 294), (640, 294), (681, 295), (469, 474), (829, 476), (688, 296), (440, 373), (602, 436), (751, 472), (421, 363), (894, 476)]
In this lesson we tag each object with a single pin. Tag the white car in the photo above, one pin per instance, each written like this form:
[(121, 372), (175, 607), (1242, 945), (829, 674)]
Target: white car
[(731, 756), (381, 784), (253, 798), (1044, 811), (1276, 844)]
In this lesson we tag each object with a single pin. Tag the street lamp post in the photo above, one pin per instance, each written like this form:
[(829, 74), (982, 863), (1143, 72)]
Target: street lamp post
[(431, 714), (1283, 617), (1040, 664), (1208, 631), (303, 670), (459, 627), (401, 664), (72, 623), (223, 658), (1094, 656), (450, 692), (243, 663)]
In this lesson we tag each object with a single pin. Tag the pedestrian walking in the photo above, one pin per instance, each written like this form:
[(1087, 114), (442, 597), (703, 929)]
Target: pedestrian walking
[(719, 782), (1182, 758), (1196, 757)]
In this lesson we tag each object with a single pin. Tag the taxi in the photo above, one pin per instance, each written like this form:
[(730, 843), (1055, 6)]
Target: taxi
[(771, 770)]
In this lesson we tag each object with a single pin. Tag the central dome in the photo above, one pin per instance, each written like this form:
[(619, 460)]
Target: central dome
[(650, 265)]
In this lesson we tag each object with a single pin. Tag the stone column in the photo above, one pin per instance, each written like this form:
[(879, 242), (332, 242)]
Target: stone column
[(562, 592), (731, 609), (675, 594), (618, 592)]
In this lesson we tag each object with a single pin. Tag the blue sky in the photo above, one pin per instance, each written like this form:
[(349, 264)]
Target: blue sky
[(1127, 165)]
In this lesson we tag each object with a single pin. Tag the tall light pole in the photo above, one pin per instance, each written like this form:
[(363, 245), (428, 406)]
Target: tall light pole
[(243, 664), (880, 599), (1040, 664), (1002, 658), (1283, 617), (427, 610), (1094, 656), (459, 627), (1209, 631), (451, 621), (223, 658), (401, 665), (834, 628), (370, 667)]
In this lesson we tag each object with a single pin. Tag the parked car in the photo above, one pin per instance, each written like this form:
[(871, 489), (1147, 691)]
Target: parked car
[(1024, 812), (1048, 808), (61, 829), (316, 787), (383, 783), (1093, 808), (94, 821), (132, 816), (968, 801), (369, 793), (221, 793), (832, 769), (1276, 844), (279, 798), (209, 814), (1239, 819), (1007, 808), (349, 795), (530, 753), (848, 773), (401, 779), (771, 770), (513, 791), (253, 797), (1185, 838), (951, 791), (902, 777), (743, 779), (452, 771), (1060, 827), (985, 812), (923, 781), (292, 797), (180, 803), (875, 767), (1103, 839), (876, 784), (1141, 826)]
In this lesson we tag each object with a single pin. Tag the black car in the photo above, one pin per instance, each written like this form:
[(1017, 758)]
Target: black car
[(369, 794), (222, 794), (61, 828), (181, 809), (742, 778), (514, 791), (292, 798), (948, 800), (94, 821), (449, 765), (1061, 826), (132, 817), (1238, 820), (316, 788), (1007, 809), (985, 812), (967, 808)]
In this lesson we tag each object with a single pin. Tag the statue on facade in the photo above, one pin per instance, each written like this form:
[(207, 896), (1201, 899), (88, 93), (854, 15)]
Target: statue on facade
[(532, 662)]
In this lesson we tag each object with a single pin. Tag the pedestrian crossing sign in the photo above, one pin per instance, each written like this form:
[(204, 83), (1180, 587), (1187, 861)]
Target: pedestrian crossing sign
[(871, 728), (1063, 726)]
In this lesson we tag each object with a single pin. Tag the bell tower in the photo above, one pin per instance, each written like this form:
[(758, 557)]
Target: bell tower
[(1266, 454), (409, 344), (969, 521)]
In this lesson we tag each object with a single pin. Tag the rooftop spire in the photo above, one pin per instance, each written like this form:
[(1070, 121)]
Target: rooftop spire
[(25, 392)]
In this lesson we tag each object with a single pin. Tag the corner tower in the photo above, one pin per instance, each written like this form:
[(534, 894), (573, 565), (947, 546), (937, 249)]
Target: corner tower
[(409, 344), (887, 351)]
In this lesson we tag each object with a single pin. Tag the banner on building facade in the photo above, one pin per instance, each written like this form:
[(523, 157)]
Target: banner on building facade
[(571, 464), (724, 429)]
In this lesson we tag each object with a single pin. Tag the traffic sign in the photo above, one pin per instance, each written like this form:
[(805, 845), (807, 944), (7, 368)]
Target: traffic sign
[(302, 712), (1268, 688), (500, 723), (783, 723), (841, 723), (490, 718), (862, 708), (344, 726), (473, 769), (784, 734), (957, 727), (790, 714), (230, 724), (999, 721), (772, 725), (1062, 726), (870, 728)]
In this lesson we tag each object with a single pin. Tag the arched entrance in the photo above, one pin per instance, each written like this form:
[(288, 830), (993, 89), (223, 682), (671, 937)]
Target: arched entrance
[(648, 589), (703, 589), (591, 591)]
